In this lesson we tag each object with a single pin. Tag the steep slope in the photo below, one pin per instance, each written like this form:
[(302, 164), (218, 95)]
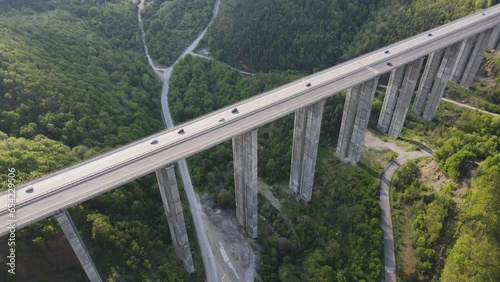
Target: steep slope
[(311, 35)]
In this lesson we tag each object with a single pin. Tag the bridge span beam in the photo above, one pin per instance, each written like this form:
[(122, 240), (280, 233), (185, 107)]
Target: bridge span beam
[(405, 94), (245, 180), (68, 227), (443, 75), (169, 191), (357, 108), (305, 149)]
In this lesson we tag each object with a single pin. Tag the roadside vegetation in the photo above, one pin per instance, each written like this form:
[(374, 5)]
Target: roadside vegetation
[(171, 25), (74, 82), (444, 210)]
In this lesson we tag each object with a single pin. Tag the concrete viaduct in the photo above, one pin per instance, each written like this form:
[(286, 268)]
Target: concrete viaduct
[(450, 52)]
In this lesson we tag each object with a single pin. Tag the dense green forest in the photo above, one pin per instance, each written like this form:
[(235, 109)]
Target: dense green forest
[(55, 68), (484, 95), (221, 86), (446, 224), (343, 222), (171, 25), (315, 34), (74, 82)]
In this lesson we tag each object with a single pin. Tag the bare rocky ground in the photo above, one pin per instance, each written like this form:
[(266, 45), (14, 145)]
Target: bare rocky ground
[(224, 231)]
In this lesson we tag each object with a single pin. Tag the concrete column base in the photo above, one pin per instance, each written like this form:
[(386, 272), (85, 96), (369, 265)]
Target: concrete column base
[(355, 119), (406, 93), (305, 149), (391, 95), (245, 179), (167, 183), (427, 80), (475, 58), (442, 77)]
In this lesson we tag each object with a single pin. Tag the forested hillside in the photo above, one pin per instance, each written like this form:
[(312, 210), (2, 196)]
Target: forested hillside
[(200, 86), (171, 25), (338, 234), (445, 211), (61, 77), (315, 34), (74, 82)]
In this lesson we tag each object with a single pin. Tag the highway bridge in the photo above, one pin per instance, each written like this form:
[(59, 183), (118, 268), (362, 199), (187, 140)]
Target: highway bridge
[(451, 51)]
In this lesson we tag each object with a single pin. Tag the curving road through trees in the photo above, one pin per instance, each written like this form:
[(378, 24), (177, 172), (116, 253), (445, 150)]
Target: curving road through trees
[(164, 74)]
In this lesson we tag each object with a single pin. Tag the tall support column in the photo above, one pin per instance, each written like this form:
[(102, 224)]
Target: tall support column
[(245, 178), (495, 38), (348, 117), (463, 57), (355, 118), (167, 183), (442, 77), (476, 58), (427, 80), (76, 242), (404, 99), (390, 98), (305, 149)]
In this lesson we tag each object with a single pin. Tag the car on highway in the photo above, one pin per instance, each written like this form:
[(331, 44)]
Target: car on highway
[(234, 111), (181, 131), (308, 84), (221, 119), (30, 189), (153, 142)]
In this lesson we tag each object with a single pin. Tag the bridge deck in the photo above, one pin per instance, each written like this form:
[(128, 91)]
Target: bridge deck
[(93, 177)]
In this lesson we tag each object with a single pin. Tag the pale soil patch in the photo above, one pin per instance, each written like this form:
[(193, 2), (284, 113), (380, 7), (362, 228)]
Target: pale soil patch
[(376, 159), (222, 227), (266, 191), (432, 176)]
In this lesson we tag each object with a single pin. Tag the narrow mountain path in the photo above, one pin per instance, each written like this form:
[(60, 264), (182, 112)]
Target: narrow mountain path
[(227, 65), (467, 106), (227, 254), (386, 221)]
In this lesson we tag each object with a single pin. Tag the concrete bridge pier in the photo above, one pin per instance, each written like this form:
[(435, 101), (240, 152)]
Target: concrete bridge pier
[(475, 58), (463, 56), (305, 149), (167, 183), (442, 77), (245, 180), (391, 96), (357, 108), (406, 93), (77, 244), (428, 77), (495, 39)]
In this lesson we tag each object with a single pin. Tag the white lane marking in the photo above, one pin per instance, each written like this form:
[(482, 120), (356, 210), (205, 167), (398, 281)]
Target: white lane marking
[(226, 259), (369, 68)]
